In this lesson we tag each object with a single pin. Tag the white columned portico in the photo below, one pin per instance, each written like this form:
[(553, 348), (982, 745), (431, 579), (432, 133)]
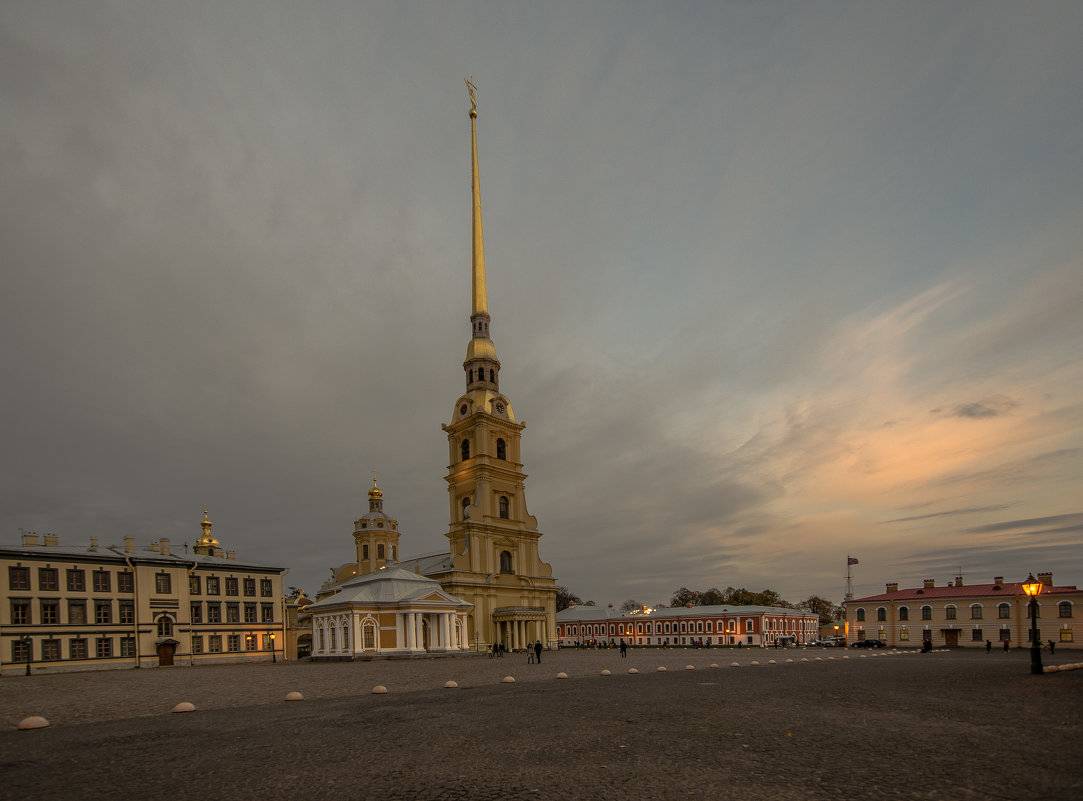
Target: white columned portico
[(400, 643)]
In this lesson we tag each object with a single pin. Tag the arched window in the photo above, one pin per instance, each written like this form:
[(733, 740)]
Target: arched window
[(492, 375), (501, 449), (505, 562), (1064, 609), (345, 636), (466, 449), (1004, 611), (861, 615), (926, 613), (380, 551), (904, 613), (466, 508), (881, 613), (709, 626), (368, 635), (504, 507), (165, 626), (949, 612), (365, 551), (975, 611), (750, 626)]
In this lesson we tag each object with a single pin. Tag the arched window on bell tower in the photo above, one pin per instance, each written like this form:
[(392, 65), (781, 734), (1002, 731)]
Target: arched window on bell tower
[(466, 449), (505, 562), (504, 507), (501, 449), (466, 508)]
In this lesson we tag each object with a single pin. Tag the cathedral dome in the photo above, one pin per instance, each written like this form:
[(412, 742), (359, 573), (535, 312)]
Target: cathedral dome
[(480, 349)]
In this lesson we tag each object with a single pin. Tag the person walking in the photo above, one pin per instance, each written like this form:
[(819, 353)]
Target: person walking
[(623, 649), (537, 651), (988, 646)]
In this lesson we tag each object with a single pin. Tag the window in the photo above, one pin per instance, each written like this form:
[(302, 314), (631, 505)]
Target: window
[(76, 580), (48, 579), (22, 650), (709, 629), (1005, 635), (504, 507), (1066, 635), (926, 613), (501, 449), (233, 643), (126, 581), (249, 613), (393, 553), (750, 626), (20, 611), (368, 635), (213, 585), (861, 615), (465, 450), (214, 644), (365, 551), (251, 642), (103, 611), (197, 612), (505, 562), (163, 583), (684, 627), (50, 650), (197, 644), (101, 581), (77, 648), (250, 587), (466, 508), (492, 377), (904, 634), (165, 626), (976, 636), (1064, 609), (904, 613), (77, 612), (975, 612), (233, 612), (50, 610), (194, 585), (267, 613), (331, 631), (127, 611), (231, 586), (345, 637), (949, 612), (265, 587), (104, 647), (214, 612), (881, 613), (127, 646), (699, 627), (19, 578), (1004, 611), (380, 551)]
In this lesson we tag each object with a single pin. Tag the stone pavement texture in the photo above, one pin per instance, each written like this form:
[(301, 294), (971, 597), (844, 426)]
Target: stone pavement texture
[(959, 725)]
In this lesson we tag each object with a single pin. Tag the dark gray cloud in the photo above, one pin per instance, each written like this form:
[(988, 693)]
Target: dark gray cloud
[(991, 407), (970, 510)]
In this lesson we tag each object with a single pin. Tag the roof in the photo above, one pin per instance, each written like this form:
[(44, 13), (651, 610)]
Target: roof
[(390, 585), (430, 564), (116, 553), (1006, 590)]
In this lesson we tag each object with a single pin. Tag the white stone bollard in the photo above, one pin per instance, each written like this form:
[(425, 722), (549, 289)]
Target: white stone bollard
[(33, 722)]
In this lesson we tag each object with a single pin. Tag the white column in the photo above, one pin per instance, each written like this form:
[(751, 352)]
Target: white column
[(399, 632), (419, 632), (411, 630)]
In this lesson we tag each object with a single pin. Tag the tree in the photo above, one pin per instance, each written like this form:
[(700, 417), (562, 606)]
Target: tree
[(630, 605), (826, 610), (712, 597), (684, 597), (566, 598)]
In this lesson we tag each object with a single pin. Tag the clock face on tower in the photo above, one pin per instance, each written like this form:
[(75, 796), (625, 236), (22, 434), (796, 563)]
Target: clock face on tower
[(499, 408)]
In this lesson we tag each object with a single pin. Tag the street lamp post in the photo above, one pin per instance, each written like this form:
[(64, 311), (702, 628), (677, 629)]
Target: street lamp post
[(274, 656), (1033, 588), (25, 639)]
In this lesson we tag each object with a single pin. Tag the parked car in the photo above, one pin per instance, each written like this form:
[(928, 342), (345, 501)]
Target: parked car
[(869, 644)]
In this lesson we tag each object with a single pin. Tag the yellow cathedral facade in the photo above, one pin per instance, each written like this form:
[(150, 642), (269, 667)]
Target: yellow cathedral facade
[(492, 564)]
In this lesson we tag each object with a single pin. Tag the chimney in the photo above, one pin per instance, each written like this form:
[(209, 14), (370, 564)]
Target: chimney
[(51, 539), (163, 546), (958, 581), (1045, 578), (129, 545), (231, 554), (93, 543), (998, 579), (893, 586), (153, 547), (930, 583), (30, 540)]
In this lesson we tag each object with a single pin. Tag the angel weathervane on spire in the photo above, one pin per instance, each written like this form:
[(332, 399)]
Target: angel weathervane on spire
[(472, 87)]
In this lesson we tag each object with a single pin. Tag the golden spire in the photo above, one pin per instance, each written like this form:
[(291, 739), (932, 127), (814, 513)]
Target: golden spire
[(375, 492), (206, 544), (480, 302)]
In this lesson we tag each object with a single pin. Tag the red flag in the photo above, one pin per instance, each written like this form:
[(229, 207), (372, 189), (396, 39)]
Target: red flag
[(850, 560)]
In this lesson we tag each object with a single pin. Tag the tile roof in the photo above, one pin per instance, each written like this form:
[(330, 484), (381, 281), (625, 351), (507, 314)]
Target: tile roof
[(1005, 590)]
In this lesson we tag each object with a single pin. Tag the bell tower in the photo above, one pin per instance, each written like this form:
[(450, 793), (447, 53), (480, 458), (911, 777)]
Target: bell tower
[(376, 535), (494, 539)]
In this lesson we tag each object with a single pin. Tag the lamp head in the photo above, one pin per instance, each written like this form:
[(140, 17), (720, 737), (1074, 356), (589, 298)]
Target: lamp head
[(1031, 586)]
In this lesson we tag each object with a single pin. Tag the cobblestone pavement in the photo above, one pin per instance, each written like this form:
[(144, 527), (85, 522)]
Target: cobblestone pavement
[(958, 725)]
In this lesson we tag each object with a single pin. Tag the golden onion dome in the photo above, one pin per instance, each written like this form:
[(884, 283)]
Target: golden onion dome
[(480, 349)]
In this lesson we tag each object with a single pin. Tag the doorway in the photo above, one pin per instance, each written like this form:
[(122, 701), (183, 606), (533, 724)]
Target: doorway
[(165, 654), (951, 637)]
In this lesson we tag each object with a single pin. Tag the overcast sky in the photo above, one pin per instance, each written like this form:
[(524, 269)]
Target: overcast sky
[(771, 283)]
